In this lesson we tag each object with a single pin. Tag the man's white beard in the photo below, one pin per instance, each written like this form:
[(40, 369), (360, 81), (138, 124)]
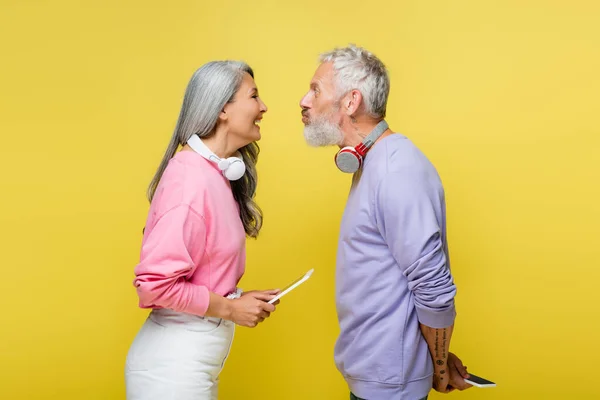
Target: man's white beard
[(320, 131)]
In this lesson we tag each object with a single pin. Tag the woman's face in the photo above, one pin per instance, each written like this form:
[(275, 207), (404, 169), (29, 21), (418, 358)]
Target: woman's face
[(243, 114)]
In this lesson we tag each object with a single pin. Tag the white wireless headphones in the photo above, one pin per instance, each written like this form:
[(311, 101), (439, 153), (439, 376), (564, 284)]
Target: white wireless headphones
[(233, 168)]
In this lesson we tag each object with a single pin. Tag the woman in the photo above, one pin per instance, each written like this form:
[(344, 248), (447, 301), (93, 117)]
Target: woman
[(193, 250)]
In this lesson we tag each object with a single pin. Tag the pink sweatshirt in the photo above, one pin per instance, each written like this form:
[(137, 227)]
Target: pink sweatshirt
[(194, 240)]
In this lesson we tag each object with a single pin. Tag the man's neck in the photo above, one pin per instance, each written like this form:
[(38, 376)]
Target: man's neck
[(357, 131)]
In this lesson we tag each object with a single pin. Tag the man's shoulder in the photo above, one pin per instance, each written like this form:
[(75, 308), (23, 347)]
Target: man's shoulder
[(400, 160)]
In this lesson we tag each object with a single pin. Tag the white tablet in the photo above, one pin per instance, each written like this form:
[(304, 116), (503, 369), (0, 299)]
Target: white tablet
[(292, 286)]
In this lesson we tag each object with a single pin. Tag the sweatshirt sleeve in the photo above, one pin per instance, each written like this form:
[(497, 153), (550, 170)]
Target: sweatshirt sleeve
[(169, 255), (407, 210)]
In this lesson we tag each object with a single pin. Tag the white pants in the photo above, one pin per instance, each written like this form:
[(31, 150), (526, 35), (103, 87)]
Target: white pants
[(177, 356)]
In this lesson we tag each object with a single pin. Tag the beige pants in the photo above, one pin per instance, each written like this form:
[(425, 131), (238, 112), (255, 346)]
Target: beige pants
[(177, 356)]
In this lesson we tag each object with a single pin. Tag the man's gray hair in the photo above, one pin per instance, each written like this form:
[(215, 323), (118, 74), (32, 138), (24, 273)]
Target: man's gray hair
[(357, 68)]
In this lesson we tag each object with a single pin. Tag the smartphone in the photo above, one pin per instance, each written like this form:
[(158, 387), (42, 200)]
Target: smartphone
[(479, 382), (292, 286)]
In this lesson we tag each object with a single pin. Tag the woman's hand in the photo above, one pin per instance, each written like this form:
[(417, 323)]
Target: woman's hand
[(270, 293), (252, 307)]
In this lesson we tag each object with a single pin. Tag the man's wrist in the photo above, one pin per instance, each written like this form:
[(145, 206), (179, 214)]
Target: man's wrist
[(440, 367)]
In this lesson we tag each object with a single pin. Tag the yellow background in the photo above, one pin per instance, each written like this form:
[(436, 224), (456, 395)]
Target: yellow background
[(501, 95)]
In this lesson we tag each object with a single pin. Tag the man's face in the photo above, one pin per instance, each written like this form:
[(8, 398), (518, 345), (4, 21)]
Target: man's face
[(320, 109)]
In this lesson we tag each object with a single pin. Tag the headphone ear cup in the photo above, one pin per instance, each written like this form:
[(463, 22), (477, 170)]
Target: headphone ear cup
[(235, 170), (223, 164), (348, 160)]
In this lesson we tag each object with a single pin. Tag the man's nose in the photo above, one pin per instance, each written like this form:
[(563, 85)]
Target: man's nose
[(304, 103)]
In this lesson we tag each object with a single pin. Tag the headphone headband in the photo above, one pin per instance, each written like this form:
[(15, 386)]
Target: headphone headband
[(233, 168), (350, 159), (371, 138), (199, 147)]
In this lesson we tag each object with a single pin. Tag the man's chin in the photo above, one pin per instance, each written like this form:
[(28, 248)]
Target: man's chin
[(310, 138), (311, 142), (315, 139)]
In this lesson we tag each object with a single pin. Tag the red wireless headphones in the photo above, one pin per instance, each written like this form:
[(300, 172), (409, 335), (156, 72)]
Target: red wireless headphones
[(350, 159)]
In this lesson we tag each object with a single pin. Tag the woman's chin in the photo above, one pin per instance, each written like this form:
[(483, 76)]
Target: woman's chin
[(250, 138), (254, 136)]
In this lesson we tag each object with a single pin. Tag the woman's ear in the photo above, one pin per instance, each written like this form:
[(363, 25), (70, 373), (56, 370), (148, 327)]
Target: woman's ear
[(223, 115)]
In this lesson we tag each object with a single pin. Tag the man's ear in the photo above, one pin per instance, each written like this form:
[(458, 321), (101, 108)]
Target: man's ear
[(352, 102)]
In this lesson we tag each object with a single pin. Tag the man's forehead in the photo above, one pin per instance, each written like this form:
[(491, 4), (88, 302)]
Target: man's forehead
[(323, 74)]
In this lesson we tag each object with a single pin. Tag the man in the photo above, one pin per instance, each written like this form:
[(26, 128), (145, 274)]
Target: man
[(394, 290)]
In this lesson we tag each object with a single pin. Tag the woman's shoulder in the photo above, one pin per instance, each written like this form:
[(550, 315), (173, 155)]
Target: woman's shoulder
[(187, 179)]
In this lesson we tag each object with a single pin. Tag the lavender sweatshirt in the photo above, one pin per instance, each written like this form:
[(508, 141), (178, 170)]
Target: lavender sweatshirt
[(392, 273)]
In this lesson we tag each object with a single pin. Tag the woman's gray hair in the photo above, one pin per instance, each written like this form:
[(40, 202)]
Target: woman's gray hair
[(357, 68), (211, 87)]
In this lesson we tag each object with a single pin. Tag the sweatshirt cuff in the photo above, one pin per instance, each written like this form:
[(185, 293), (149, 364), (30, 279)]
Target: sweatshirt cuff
[(434, 318), (199, 301)]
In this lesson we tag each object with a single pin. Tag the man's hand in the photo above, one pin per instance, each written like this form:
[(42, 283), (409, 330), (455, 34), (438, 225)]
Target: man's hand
[(450, 375), (457, 372)]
